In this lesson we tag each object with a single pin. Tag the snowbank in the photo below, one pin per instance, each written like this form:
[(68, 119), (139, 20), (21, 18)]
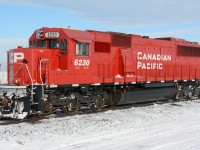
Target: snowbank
[(157, 127)]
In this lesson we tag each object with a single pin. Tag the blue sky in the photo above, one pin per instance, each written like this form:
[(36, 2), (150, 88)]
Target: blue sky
[(157, 18)]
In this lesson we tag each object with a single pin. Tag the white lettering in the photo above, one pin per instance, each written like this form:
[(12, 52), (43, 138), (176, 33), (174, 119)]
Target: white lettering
[(151, 57), (139, 65), (149, 66), (52, 34), (154, 66), (160, 66), (143, 66), (169, 57), (81, 62), (18, 56), (154, 57), (143, 56), (139, 55), (158, 57)]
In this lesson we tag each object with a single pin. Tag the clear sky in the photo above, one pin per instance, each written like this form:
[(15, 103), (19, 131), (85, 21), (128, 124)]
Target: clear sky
[(156, 18)]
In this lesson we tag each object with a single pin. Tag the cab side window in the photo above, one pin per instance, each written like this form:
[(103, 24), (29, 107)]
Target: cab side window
[(63, 45), (32, 44), (82, 49)]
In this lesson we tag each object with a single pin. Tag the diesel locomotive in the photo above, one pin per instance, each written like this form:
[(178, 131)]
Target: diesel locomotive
[(67, 69)]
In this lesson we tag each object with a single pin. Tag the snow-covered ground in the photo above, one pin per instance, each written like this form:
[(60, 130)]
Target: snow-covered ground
[(156, 127)]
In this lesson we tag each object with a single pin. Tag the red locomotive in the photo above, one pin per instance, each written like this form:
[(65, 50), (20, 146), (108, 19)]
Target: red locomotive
[(66, 69)]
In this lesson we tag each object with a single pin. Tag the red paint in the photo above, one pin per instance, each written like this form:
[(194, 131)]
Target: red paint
[(114, 58)]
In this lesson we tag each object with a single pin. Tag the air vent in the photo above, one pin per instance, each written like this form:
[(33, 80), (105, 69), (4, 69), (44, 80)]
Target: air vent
[(121, 40), (188, 51)]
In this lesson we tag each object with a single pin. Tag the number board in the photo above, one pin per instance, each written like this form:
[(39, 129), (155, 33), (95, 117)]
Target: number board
[(52, 34)]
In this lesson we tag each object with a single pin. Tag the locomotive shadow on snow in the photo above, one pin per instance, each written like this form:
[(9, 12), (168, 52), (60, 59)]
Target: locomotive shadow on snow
[(8, 121), (33, 119)]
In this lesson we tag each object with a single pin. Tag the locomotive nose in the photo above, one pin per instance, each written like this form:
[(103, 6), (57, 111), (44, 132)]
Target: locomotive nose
[(13, 102)]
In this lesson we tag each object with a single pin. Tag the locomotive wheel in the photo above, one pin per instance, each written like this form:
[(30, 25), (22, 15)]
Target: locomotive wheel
[(48, 107), (189, 96), (179, 95), (69, 109), (94, 107), (97, 105)]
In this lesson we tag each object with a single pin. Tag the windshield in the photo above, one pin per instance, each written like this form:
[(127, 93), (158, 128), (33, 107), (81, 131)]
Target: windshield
[(41, 44), (53, 43)]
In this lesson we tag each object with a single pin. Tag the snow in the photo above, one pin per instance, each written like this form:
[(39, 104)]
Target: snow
[(155, 127)]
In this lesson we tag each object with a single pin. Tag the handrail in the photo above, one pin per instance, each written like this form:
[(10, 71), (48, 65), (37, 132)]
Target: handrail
[(31, 82), (29, 77), (17, 71), (41, 69)]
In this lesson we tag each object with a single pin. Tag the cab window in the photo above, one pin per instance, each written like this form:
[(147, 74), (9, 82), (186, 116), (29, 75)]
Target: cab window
[(32, 44), (41, 44), (82, 49), (63, 45), (53, 43)]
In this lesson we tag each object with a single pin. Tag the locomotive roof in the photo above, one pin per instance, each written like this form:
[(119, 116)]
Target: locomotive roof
[(86, 36), (78, 34)]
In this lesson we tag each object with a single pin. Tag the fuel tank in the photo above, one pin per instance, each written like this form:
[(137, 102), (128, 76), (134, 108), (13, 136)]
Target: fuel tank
[(145, 94)]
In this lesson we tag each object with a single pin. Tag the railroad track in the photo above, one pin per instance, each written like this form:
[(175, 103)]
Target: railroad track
[(35, 119)]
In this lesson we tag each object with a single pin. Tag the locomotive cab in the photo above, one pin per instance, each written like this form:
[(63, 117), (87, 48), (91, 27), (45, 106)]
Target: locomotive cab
[(45, 38)]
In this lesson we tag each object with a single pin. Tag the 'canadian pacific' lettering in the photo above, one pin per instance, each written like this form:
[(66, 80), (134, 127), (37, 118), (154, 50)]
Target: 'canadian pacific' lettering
[(142, 56), (155, 60)]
